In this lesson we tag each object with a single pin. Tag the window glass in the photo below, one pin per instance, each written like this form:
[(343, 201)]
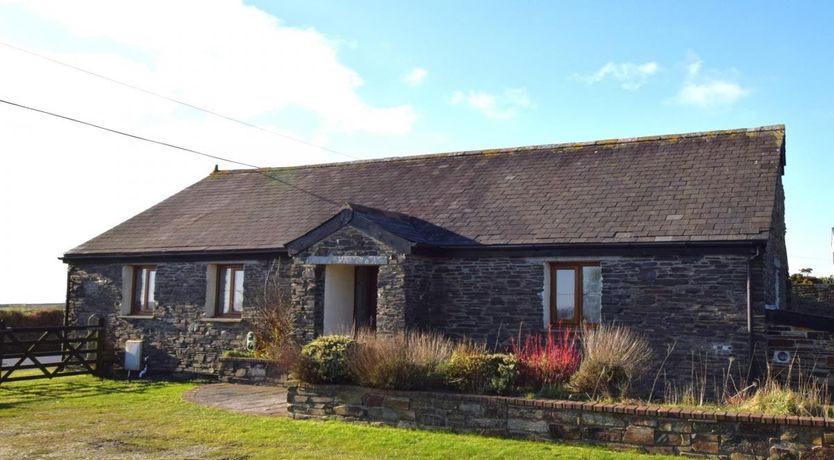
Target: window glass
[(229, 290), (144, 284), (591, 294), (565, 294), (151, 288), (138, 288), (238, 297), (225, 283)]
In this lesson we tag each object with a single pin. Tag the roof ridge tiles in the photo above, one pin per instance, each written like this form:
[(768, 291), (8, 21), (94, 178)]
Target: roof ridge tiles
[(521, 149)]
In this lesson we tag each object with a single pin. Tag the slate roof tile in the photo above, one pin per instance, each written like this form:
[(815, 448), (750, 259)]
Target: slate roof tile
[(722, 184)]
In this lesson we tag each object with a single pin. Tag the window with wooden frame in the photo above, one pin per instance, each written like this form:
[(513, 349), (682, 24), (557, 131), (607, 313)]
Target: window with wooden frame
[(575, 293), (144, 285), (229, 298)]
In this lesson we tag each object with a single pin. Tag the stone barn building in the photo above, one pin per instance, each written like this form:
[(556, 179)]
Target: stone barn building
[(680, 237)]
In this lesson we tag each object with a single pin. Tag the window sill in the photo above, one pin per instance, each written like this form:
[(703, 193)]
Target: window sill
[(222, 320), (135, 316)]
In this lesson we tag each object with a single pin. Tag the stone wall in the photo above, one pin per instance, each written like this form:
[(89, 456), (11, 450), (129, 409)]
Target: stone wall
[(697, 303), (475, 297), (251, 371), (179, 337), (394, 312), (813, 299), (809, 340), (644, 428)]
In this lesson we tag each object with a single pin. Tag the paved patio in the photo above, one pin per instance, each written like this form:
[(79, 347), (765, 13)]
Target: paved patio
[(248, 399)]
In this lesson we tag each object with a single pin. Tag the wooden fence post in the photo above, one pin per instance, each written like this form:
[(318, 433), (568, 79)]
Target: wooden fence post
[(100, 348), (2, 342)]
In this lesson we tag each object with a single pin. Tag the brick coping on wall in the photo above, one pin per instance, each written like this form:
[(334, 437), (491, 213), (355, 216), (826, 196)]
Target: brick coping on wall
[(647, 428), (652, 410)]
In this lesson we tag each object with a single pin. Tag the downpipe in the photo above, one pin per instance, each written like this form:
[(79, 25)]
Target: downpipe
[(750, 341)]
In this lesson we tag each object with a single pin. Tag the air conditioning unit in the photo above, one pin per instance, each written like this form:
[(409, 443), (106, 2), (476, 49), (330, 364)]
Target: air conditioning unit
[(782, 357), (133, 355)]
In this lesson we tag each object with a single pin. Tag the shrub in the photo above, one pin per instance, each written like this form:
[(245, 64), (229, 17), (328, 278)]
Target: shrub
[(467, 368), (472, 369), (613, 356), (504, 379), (271, 318), (546, 362), (299, 366), (325, 360), (405, 360)]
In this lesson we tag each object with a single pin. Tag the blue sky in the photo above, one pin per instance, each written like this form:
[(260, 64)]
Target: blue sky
[(376, 79), (778, 53)]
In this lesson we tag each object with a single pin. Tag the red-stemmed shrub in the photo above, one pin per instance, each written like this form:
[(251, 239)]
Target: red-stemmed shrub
[(547, 362)]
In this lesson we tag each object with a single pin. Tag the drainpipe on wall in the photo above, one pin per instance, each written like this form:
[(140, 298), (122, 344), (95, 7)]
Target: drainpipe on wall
[(750, 304)]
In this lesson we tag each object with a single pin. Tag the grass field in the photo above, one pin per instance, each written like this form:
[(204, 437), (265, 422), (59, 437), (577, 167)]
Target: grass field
[(31, 306), (84, 417)]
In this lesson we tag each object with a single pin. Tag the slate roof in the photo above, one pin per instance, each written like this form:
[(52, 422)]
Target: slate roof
[(396, 229), (709, 186)]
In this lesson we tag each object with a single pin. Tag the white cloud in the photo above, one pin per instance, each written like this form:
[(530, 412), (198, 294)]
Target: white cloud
[(416, 76), (712, 93), (711, 90), (63, 183), (251, 65), (693, 68), (503, 106), (630, 76)]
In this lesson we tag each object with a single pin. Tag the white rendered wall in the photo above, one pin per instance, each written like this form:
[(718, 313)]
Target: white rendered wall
[(338, 299)]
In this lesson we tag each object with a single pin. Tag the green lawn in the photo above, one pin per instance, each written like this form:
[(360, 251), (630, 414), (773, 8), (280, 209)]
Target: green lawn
[(84, 417)]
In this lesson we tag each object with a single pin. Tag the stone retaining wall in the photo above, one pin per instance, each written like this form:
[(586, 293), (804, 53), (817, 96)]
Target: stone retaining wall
[(813, 299), (649, 428), (251, 371)]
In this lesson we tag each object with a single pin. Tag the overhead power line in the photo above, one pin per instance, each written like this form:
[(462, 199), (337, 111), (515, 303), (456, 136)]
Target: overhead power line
[(173, 146), (177, 101)]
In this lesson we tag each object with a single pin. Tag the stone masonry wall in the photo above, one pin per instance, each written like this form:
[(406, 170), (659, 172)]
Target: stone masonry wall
[(474, 297), (652, 429), (393, 312), (179, 337), (808, 339), (813, 299), (251, 371), (697, 303)]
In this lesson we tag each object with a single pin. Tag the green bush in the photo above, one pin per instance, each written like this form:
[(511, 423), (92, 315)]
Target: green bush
[(326, 359), (468, 369), (471, 369), (504, 379)]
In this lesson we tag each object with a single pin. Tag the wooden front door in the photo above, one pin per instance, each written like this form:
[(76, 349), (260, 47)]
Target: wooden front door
[(364, 297)]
